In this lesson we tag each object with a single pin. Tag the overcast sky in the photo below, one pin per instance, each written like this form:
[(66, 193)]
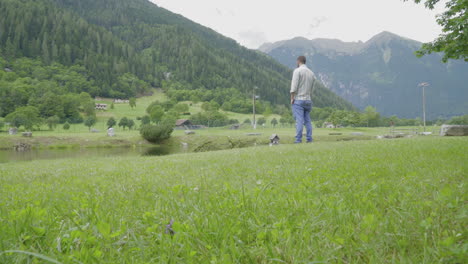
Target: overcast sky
[(254, 22)]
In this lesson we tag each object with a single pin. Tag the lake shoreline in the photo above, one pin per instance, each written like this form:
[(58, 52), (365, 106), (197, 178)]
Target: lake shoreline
[(194, 143), (17, 148)]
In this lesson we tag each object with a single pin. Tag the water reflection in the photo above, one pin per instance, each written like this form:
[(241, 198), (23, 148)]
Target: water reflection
[(47, 154), (157, 151)]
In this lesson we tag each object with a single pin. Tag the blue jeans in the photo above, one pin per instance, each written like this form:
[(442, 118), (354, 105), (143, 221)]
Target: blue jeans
[(301, 112)]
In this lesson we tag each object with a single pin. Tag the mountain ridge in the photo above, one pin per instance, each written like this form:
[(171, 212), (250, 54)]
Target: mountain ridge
[(383, 72), (344, 46)]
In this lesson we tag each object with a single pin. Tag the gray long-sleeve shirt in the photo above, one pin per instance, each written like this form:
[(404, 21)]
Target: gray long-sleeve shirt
[(303, 83)]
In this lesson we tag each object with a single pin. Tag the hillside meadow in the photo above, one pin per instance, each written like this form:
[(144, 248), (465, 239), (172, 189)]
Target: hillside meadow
[(380, 201), (80, 136)]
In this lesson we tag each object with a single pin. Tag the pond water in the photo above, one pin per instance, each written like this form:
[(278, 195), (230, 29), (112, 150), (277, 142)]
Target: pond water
[(47, 154)]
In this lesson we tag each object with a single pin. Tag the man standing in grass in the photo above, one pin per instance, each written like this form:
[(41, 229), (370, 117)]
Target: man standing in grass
[(301, 100)]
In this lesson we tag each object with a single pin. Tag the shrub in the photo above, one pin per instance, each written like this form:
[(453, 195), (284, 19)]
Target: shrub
[(66, 126), (459, 120), (157, 133), (52, 122), (261, 121), (145, 120), (233, 121), (27, 116), (181, 108), (211, 119)]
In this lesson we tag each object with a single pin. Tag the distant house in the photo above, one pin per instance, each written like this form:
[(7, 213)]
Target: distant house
[(183, 123), (101, 107), (328, 125), (121, 101)]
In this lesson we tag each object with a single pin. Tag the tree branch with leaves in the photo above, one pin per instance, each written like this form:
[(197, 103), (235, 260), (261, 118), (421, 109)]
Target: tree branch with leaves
[(453, 41)]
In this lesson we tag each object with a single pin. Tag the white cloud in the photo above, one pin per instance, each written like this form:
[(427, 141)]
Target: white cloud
[(253, 38), (250, 21), (316, 22)]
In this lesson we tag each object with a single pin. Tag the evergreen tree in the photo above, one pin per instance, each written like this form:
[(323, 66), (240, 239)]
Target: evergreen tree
[(274, 122), (111, 122), (45, 49), (132, 102), (130, 123), (90, 121)]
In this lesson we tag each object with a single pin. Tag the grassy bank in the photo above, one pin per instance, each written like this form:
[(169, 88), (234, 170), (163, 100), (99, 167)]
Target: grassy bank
[(215, 138), (395, 201)]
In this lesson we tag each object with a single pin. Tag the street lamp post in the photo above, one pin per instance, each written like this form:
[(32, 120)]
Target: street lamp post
[(254, 99), (424, 85)]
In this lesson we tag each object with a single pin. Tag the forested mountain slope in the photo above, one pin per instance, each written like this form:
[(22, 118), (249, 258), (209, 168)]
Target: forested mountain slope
[(121, 48)]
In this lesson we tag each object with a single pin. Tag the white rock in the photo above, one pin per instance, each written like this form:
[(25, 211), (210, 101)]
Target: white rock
[(454, 130)]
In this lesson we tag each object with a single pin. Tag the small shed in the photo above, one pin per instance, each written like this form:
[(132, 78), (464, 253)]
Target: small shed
[(328, 125), (183, 123)]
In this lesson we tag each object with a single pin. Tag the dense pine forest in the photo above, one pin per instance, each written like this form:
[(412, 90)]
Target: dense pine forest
[(123, 48)]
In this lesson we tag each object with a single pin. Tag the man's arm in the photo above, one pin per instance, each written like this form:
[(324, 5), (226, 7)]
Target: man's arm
[(293, 95), (294, 85)]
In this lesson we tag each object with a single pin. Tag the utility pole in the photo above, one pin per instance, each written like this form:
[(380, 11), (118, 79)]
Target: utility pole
[(424, 85), (254, 99)]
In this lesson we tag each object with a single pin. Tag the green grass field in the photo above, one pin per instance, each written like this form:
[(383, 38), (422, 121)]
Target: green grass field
[(79, 135), (124, 110), (387, 201), (85, 139)]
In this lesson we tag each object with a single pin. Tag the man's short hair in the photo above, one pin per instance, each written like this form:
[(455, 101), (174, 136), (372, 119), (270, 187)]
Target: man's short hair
[(302, 59)]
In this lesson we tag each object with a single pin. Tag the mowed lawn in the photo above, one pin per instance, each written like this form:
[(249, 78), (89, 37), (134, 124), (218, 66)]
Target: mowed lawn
[(381, 201)]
